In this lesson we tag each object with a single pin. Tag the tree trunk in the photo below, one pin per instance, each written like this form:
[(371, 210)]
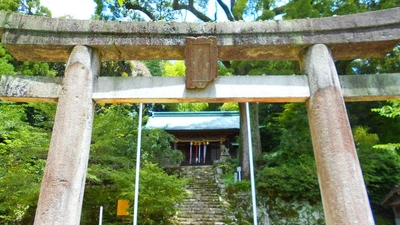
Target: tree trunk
[(255, 136), (255, 130)]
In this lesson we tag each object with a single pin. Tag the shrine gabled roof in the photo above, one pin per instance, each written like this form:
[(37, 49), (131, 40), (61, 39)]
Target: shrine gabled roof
[(210, 120), (393, 198)]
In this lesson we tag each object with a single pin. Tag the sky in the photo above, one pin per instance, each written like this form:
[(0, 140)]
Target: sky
[(83, 9), (78, 9)]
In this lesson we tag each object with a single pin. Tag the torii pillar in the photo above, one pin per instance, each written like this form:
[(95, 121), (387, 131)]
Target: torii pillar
[(343, 192), (61, 193)]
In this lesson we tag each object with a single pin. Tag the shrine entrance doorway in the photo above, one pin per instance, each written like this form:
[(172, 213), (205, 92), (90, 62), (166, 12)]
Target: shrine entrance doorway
[(198, 153), (200, 136)]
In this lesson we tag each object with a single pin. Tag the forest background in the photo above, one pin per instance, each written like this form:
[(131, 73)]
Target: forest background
[(285, 162)]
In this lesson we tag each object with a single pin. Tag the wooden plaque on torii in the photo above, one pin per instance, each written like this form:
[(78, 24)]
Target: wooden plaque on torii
[(201, 55)]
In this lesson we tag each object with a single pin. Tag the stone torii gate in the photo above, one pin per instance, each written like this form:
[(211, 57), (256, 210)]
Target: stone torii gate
[(316, 43)]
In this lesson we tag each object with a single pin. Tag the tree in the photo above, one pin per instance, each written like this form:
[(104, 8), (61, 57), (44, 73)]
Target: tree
[(289, 171), (24, 134), (113, 158), (23, 150), (158, 196), (29, 7), (391, 110), (381, 169)]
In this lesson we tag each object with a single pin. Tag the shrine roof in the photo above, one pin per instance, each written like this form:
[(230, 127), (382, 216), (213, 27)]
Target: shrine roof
[(210, 120), (393, 198)]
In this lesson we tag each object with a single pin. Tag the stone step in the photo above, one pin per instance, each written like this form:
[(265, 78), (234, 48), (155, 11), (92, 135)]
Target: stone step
[(193, 213), (203, 204), (204, 217), (192, 207), (201, 223), (199, 209)]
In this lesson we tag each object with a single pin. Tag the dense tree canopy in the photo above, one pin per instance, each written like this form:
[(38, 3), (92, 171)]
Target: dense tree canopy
[(286, 167)]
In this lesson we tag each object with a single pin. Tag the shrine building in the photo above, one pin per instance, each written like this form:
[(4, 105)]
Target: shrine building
[(200, 136)]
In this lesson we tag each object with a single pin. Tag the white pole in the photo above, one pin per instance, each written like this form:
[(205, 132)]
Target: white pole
[(253, 185), (139, 143), (101, 215)]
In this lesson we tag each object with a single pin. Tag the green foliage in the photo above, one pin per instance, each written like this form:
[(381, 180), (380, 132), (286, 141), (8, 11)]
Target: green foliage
[(296, 136), (300, 9), (289, 171), (392, 110), (33, 7), (270, 130), (380, 168), (156, 145), (360, 114), (9, 5), (23, 150), (24, 134), (113, 139), (151, 10), (230, 106), (363, 139), (388, 64), (29, 7), (115, 68), (291, 181), (268, 67), (239, 8), (5, 66), (266, 15), (158, 195), (175, 69), (192, 107), (113, 154), (389, 147), (115, 135), (154, 67)]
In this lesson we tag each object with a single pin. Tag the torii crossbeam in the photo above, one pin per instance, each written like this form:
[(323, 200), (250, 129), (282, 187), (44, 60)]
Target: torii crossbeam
[(314, 42)]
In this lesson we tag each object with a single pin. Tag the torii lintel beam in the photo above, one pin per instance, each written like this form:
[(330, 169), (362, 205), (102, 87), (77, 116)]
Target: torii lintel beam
[(277, 88), (364, 35)]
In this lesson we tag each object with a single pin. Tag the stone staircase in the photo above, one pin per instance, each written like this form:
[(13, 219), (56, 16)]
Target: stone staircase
[(205, 202)]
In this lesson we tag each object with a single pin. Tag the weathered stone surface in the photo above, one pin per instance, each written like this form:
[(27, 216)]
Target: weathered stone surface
[(63, 183), (30, 88), (371, 34), (139, 69), (379, 87), (343, 191), (224, 89), (201, 61)]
